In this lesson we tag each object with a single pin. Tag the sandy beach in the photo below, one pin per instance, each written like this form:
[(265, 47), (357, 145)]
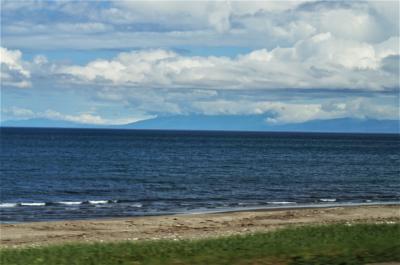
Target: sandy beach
[(188, 226)]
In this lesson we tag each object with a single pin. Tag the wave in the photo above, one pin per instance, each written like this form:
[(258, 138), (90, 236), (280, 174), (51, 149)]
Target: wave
[(327, 200), (70, 203), (8, 205), (32, 204), (281, 203), (66, 203), (99, 202)]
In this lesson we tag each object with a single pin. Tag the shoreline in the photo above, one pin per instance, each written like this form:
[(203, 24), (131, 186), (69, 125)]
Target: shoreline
[(271, 207), (190, 225), (294, 206)]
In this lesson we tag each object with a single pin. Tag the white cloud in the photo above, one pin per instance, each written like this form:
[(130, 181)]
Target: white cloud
[(18, 113), (355, 21), (14, 71), (289, 112), (321, 61), (388, 12), (177, 15), (86, 118), (193, 14), (275, 112), (25, 28), (135, 24), (278, 112)]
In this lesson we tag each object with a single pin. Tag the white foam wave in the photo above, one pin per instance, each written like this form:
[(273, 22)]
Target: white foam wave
[(7, 205), (138, 205), (70, 203), (327, 200), (32, 204), (281, 203), (98, 202)]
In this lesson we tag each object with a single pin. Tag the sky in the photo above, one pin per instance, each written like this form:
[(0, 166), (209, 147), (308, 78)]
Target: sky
[(117, 62)]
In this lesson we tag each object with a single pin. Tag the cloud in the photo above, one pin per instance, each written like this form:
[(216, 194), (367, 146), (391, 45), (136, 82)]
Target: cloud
[(135, 24), (82, 118), (193, 15), (391, 64), (14, 71), (365, 21), (289, 112), (275, 112), (18, 112), (321, 61), (26, 28), (85, 118)]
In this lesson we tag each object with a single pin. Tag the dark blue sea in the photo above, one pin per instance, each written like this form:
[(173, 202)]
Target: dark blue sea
[(56, 174)]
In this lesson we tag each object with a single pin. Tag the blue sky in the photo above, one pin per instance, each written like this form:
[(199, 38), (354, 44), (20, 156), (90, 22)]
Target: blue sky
[(115, 62)]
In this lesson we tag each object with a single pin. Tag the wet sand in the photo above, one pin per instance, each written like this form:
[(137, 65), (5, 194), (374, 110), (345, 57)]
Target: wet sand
[(188, 226)]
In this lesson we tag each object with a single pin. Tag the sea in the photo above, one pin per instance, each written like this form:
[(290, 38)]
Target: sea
[(65, 174)]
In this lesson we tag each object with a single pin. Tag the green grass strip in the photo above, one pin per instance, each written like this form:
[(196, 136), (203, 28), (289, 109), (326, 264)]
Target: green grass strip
[(329, 244)]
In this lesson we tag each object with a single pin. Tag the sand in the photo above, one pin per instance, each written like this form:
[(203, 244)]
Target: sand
[(187, 226)]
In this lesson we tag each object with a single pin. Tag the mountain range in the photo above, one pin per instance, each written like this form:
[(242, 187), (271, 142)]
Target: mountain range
[(228, 123)]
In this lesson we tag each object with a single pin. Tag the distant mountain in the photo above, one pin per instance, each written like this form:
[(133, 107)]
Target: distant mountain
[(230, 123), (257, 123), (346, 125), (203, 122)]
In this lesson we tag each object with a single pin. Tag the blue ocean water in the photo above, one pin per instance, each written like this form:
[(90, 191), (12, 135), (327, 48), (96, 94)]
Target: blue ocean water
[(55, 174)]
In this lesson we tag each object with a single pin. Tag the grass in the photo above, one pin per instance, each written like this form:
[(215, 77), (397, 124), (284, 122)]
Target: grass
[(330, 244)]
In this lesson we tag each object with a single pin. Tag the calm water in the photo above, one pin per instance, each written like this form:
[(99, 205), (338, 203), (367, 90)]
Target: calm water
[(53, 174)]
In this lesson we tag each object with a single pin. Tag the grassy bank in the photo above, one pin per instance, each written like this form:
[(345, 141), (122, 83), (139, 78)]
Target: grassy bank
[(333, 244)]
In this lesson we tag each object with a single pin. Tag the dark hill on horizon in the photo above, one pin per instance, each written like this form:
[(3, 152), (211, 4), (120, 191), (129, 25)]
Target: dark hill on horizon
[(229, 123), (257, 123)]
